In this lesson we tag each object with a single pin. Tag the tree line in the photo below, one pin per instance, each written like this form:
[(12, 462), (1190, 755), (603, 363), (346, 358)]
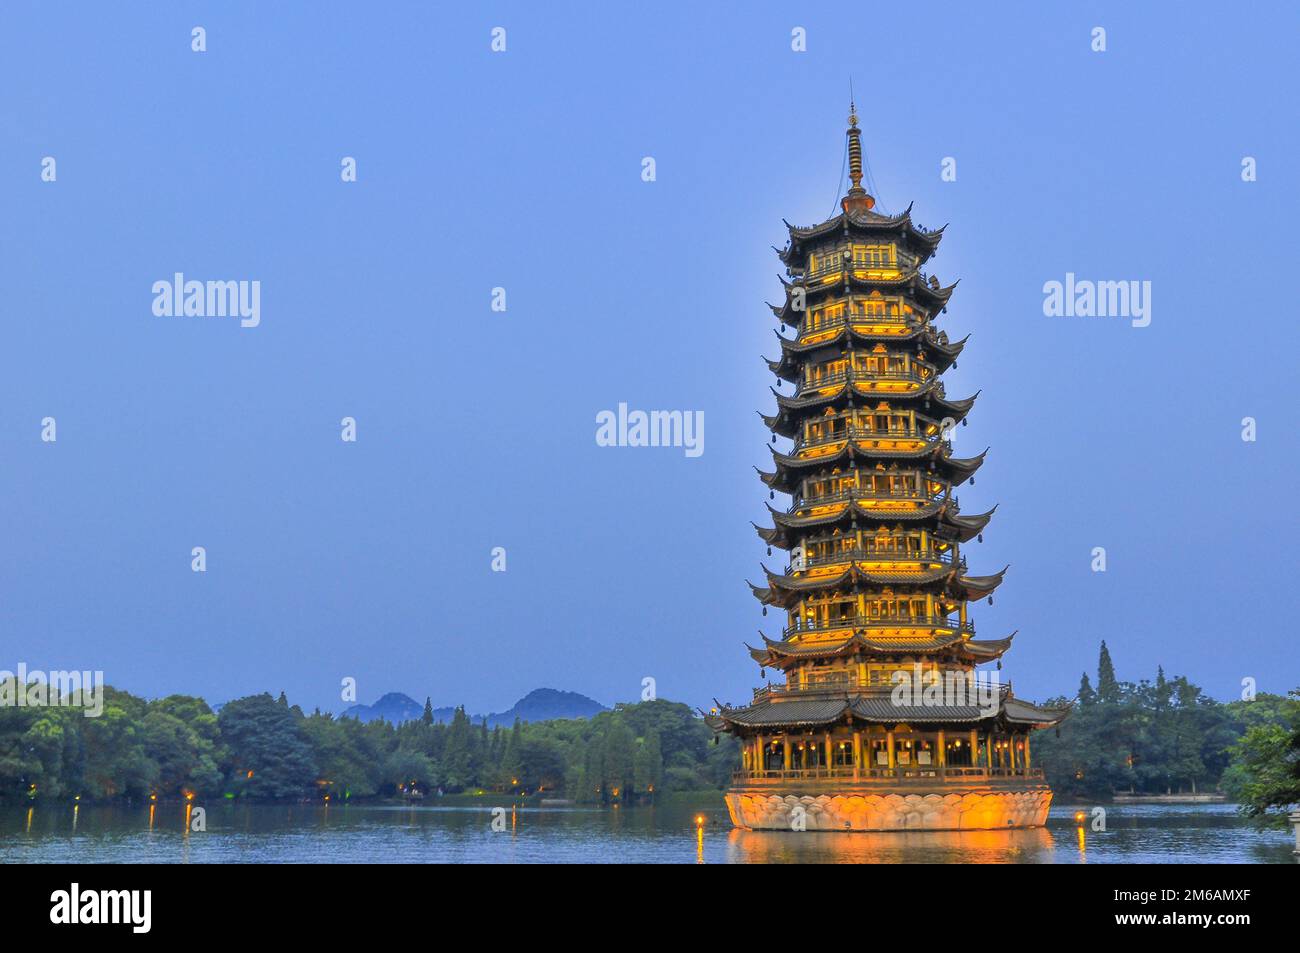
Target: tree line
[(263, 748), (1149, 737), (1166, 736)]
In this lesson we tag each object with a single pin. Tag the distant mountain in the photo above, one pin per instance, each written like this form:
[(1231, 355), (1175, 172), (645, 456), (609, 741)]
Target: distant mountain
[(541, 704), (393, 707)]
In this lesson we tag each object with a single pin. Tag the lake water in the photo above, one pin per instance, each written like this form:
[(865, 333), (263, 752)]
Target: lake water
[(432, 832)]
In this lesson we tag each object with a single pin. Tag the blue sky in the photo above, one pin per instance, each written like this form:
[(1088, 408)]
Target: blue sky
[(476, 429)]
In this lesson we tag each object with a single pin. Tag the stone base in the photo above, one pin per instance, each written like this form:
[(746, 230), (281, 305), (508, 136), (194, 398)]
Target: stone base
[(969, 810)]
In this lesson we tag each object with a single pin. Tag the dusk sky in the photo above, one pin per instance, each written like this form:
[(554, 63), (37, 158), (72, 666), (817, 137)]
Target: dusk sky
[(476, 429)]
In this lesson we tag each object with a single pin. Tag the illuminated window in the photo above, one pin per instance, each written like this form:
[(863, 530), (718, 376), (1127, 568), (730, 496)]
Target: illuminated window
[(874, 256)]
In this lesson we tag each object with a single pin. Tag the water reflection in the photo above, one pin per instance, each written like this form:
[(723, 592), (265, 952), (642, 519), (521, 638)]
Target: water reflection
[(1033, 846), (684, 831)]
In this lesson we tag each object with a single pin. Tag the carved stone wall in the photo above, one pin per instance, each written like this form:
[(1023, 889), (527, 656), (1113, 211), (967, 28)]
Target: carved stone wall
[(949, 811)]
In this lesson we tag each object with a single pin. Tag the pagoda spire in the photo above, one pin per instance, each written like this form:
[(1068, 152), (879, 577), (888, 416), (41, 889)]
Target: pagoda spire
[(857, 199)]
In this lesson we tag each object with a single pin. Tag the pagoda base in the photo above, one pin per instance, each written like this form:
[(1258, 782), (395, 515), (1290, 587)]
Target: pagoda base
[(869, 808)]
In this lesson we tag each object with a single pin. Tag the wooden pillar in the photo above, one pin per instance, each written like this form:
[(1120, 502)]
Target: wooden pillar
[(785, 743), (1011, 750), (988, 752), (830, 754), (889, 741), (974, 748), (758, 750), (943, 751), (857, 754), (1026, 754)]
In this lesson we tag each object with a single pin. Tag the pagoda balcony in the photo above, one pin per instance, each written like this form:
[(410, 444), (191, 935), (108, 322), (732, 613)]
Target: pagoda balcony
[(836, 684), (832, 685), (863, 433), (827, 327), (861, 269), (862, 554), (919, 773), (856, 493), (852, 623), (911, 375)]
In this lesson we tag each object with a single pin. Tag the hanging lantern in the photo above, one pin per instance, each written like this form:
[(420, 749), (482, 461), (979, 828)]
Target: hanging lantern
[(990, 600), (769, 550), (980, 537), (999, 665), (771, 495), (764, 610), (965, 422)]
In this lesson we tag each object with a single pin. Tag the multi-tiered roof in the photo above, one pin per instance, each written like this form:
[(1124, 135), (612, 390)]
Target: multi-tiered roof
[(876, 581)]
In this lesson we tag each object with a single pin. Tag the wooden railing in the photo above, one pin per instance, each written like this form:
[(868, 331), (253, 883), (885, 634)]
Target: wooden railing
[(861, 493), (904, 773), (864, 433), (840, 686), (899, 265), (839, 377), (865, 622), (814, 326), (850, 555)]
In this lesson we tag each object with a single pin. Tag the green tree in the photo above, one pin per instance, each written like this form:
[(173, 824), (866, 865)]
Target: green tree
[(1107, 686), (349, 755), (616, 758), (1265, 772), (267, 753), (114, 761), (458, 755), (38, 748), (511, 768), (648, 763), (1086, 695)]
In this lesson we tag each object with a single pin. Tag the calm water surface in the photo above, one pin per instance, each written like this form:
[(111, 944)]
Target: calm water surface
[(1204, 833)]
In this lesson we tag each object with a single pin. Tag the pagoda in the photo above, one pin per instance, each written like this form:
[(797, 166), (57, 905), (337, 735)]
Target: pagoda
[(877, 718)]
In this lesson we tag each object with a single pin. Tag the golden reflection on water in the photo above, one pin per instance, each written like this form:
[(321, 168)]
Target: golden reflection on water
[(1031, 845)]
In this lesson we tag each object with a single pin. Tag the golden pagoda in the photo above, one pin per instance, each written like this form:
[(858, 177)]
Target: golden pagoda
[(879, 719)]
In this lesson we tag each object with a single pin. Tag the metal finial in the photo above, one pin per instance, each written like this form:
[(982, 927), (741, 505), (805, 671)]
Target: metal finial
[(857, 199)]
